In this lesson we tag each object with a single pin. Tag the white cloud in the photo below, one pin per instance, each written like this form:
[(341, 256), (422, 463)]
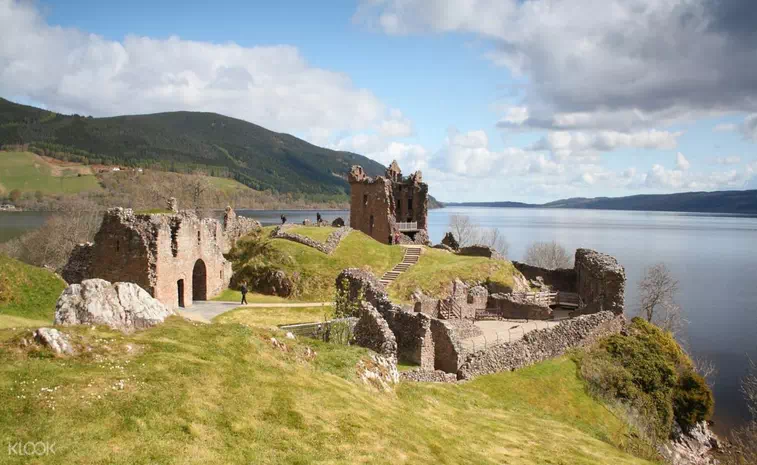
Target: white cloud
[(725, 127), (588, 145), (602, 64), (729, 160), (396, 125), (681, 162), (73, 71), (749, 128)]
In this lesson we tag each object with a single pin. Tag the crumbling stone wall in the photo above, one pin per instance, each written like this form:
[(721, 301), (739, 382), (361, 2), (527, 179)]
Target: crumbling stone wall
[(543, 344), (601, 282), (332, 242), (517, 306), (372, 331), (480, 251), (448, 352), (563, 279), (177, 258), (462, 303), (377, 204)]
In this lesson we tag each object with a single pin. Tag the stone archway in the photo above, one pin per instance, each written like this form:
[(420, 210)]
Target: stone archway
[(199, 281)]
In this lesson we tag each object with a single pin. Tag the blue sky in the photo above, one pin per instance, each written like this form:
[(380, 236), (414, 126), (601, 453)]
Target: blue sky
[(492, 100)]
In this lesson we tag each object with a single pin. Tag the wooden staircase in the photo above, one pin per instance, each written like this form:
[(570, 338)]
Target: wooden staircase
[(412, 254)]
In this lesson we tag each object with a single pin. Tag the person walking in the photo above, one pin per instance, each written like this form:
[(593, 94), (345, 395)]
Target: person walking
[(243, 290)]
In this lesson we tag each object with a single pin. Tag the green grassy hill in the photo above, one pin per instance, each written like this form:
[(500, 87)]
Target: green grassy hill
[(184, 141), (185, 393), (29, 172), (27, 294)]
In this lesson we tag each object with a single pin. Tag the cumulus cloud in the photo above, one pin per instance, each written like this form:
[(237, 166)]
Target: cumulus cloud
[(468, 154), (749, 128), (729, 160), (73, 71), (603, 64), (681, 162), (587, 145)]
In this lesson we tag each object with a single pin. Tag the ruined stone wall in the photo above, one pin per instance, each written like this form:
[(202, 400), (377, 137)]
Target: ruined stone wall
[(235, 227), (563, 279), (372, 208), (448, 352), (332, 242), (76, 269), (411, 201), (601, 282), (480, 251), (537, 346), (159, 251), (518, 307), (372, 331)]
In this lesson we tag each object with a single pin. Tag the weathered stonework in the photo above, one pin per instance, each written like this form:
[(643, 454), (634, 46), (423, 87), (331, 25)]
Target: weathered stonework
[(462, 303), (563, 279), (332, 242), (542, 344), (601, 282), (516, 306), (427, 376), (480, 251), (450, 241), (378, 204), (372, 332), (176, 258)]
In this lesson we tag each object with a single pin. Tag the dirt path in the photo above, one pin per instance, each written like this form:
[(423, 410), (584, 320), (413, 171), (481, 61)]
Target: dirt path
[(205, 311)]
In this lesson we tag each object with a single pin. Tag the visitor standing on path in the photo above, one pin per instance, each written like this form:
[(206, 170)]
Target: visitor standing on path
[(318, 218), (243, 290), (283, 219)]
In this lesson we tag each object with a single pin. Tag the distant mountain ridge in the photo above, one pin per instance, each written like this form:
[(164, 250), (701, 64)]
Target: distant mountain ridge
[(735, 202), (185, 141)]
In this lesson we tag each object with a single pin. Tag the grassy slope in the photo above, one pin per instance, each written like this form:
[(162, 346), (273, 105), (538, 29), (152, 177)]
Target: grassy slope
[(436, 269), (270, 318), (28, 172), (27, 294), (318, 233), (221, 394), (318, 271)]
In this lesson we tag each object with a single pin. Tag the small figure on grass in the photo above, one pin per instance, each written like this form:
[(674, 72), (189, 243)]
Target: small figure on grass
[(243, 290)]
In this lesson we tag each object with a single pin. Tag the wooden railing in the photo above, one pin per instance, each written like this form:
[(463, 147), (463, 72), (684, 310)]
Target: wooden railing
[(411, 226)]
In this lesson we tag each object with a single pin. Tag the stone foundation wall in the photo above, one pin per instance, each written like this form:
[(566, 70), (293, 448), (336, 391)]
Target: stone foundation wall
[(512, 306), (537, 346), (448, 352), (372, 331), (76, 269), (480, 251), (563, 279), (332, 242), (427, 376), (601, 282), (317, 330)]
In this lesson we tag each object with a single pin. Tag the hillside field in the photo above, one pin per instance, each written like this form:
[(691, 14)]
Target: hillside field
[(29, 172)]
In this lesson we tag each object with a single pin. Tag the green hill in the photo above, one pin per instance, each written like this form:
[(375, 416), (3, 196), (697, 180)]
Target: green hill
[(29, 172), (27, 294), (185, 141)]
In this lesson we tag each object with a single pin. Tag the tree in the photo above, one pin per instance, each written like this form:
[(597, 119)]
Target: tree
[(657, 290), (744, 439), (549, 255), (468, 233), (15, 195)]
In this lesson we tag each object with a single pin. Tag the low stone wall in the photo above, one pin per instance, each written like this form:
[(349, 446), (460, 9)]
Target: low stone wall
[(426, 376), (372, 332), (76, 269), (516, 307), (480, 251), (601, 282), (463, 302), (563, 279), (332, 242), (317, 330), (540, 345), (465, 329)]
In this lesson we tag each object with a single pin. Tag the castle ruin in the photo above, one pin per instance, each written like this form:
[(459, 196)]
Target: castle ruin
[(389, 208), (177, 257)]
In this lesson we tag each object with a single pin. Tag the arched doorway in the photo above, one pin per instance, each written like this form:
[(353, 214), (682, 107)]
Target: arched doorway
[(199, 281)]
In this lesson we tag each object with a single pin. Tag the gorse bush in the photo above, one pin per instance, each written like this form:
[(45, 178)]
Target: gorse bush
[(252, 258), (647, 371)]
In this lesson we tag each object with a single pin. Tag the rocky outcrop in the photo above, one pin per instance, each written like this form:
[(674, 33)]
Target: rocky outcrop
[(273, 282), (372, 332), (450, 241), (479, 250), (518, 306), (427, 376), (601, 282), (54, 340), (332, 242), (121, 306), (692, 447), (543, 344), (379, 372)]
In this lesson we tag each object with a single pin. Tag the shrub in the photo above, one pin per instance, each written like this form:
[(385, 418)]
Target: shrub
[(692, 400)]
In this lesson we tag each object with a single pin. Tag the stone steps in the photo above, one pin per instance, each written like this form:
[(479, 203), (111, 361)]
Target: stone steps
[(412, 255)]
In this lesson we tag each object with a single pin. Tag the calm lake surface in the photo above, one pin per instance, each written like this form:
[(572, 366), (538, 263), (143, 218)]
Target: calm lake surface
[(713, 257)]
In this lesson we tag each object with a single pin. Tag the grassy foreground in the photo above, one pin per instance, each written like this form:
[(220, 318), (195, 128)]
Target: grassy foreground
[(29, 172), (185, 393), (27, 294), (436, 269), (270, 318)]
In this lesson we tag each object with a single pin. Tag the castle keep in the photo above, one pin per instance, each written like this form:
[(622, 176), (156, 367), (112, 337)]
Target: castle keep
[(177, 258), (389, 207)]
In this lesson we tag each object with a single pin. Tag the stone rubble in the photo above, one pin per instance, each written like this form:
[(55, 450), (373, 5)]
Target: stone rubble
[(58, 342), (332, 242)]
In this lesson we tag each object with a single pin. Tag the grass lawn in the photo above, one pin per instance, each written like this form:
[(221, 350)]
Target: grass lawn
[(318, 271), (27, 294), (270, 318), (186, 393), (227, 185), (230, 295), (436, 269), (30, 173), (318, 233)]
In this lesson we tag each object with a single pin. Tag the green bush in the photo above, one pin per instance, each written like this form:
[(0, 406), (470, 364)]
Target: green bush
[(647, 370)]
